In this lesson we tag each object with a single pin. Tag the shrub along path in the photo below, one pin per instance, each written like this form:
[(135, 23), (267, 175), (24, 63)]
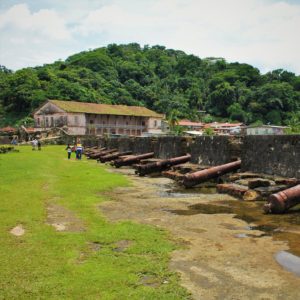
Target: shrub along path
[(68, 250)]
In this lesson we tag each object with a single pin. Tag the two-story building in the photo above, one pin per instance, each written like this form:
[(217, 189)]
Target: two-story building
[(82, 118)]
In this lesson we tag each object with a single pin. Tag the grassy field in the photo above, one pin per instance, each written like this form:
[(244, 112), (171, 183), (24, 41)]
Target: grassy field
[(83, 262)]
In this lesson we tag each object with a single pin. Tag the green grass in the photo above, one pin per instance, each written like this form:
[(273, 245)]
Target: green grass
[(47, 264)]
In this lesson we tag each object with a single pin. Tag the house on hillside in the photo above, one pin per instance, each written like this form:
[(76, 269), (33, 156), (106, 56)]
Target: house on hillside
[(265, 129), (81, 118), (225, 128), (187, 124)]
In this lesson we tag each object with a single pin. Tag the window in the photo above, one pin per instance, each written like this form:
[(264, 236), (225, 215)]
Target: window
[(155, 123), (76, 120), (38, 121), (47, 122), (52, 122)]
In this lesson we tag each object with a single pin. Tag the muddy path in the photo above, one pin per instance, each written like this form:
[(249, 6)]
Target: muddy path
[(230, 249)]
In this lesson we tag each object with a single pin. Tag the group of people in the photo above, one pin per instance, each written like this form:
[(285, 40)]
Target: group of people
[(36, 144), (78, 149)]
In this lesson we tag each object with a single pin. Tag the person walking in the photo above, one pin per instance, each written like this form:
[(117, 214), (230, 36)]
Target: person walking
[(39, 145), (69, 149), (79, 151), (34, 144)]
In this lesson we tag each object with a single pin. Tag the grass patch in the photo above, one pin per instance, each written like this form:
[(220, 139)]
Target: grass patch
[(47, 264)]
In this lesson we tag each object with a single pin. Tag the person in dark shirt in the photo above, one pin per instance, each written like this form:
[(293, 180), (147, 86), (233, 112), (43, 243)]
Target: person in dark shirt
[(39, 145), (69, 149)]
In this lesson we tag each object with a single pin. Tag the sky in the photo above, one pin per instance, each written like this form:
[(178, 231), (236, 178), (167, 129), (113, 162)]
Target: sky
[(263, 33)]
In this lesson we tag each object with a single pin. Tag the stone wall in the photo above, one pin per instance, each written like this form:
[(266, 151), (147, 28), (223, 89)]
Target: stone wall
[(272, 154), (170, 146), (215, 150)]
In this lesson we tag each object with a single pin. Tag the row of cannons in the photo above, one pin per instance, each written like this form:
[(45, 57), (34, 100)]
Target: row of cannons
[(280, 194)]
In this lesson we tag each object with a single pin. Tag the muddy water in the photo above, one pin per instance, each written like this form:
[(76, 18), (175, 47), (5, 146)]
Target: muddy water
[(232, 250)]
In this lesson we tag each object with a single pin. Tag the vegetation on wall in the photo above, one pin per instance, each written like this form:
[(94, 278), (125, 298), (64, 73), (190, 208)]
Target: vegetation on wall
[(161, 79)]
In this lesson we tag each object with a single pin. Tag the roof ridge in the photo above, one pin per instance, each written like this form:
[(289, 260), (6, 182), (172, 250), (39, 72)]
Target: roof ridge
[(104, 108)]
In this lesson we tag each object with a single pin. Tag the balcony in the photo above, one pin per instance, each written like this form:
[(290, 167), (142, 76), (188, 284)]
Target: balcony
[(115, 126)]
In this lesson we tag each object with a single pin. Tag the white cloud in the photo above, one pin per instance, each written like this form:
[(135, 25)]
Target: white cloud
[(254, 31), (259, 32), (29, 39)]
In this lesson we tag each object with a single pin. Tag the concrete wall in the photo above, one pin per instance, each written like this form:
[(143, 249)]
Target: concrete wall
[(272, 154)]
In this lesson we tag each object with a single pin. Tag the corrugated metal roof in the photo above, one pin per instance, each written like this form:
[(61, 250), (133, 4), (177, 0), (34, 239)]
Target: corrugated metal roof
[(105, 109)]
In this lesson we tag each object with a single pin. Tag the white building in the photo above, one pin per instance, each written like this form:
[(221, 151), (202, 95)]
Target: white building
[(81, 118)]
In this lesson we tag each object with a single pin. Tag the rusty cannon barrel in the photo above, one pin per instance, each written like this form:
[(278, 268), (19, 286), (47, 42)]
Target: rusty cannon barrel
[(282, 201), (113, 156), (161, 165), (195, 178), (102, 153), (127, 161), (89, 152)]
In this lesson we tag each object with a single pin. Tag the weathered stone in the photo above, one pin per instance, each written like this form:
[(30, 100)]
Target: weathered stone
[(232, 189), (252, 195), (272, 154), (287, 181), (268, 190), (257, 182)]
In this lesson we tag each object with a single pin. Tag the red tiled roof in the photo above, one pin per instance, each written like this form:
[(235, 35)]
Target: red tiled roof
[(190, 123), (8, 129), (30, 130), (105, 109)]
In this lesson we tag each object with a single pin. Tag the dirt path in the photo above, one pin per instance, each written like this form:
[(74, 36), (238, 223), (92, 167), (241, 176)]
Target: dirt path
[(219, 259)]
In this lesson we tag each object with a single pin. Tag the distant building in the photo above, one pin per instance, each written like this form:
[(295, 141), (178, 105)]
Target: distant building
[(81, 118), (225, 128), (187, 124), (264, 129), (8, 130)]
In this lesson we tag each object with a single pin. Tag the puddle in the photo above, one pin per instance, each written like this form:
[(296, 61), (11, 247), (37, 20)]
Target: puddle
[(203, 209), (289, 262), (186, 193), (284, 227)]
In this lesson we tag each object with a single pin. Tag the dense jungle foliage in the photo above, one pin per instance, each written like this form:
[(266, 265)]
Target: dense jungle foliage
[(165, 80)]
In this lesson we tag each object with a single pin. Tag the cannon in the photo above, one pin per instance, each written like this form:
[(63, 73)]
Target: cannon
[(282, 201), (161, 165), (127, 161), (89, 151), (195, 178), (102, 153), (113, 156)]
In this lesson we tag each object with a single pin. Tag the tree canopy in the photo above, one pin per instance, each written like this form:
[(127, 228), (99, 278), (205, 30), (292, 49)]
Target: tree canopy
[(161, 79)]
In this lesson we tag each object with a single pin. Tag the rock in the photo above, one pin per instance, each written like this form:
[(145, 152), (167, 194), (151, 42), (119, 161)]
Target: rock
[(257, 182), (237, 176), (252, 195), (232, 189), (268, 190), (18, 230), (287, 181)]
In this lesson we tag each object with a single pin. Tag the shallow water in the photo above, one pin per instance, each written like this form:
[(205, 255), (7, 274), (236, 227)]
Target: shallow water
[(284, 227), (288, 261)]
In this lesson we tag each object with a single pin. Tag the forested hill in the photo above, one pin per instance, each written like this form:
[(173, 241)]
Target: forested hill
[(166, 80)]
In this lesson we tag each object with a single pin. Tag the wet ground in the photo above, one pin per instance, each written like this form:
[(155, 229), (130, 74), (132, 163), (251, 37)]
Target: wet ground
[(229, 248)]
